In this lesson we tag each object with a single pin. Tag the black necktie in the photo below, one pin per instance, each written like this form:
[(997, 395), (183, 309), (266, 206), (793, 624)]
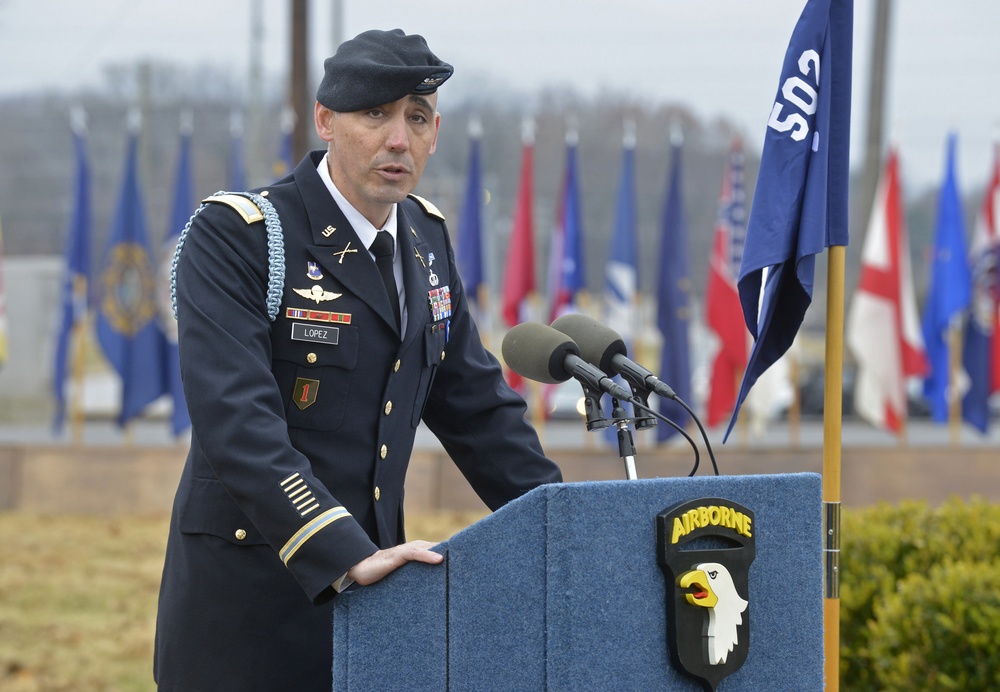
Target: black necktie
[(382, 248)]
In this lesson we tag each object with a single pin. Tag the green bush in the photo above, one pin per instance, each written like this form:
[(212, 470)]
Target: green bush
[(884, 550), (940, 630)]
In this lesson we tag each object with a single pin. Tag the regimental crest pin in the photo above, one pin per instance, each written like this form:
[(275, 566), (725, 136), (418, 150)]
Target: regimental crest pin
[(313, 271), (705, 548)]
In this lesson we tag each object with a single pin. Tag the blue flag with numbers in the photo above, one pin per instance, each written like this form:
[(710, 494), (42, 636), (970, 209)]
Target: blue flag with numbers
[(800, 202)]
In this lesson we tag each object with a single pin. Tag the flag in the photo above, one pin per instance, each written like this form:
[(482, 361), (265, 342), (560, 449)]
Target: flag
[(566, 268), (76, 277), (950, 289), (519, 275), (883, 331), (981, 356), (470, 225), (126, 319), (181, 214), (673, 314), (621, 274), (4, 353), (237, 165), (800, 201), (722, 301)]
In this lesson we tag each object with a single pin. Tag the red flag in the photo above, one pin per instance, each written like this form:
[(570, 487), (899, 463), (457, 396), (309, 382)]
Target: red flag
[(883, 329), (987, 234), (722, 301), (519, 275)]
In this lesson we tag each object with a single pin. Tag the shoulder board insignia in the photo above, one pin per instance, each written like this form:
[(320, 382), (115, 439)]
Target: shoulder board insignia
[(428, 207), (248, 210)]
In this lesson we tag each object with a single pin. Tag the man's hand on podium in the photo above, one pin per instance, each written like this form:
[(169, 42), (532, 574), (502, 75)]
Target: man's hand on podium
[(378, 565)]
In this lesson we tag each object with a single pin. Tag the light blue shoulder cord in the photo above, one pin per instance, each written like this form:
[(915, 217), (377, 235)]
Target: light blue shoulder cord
[(275, 253)]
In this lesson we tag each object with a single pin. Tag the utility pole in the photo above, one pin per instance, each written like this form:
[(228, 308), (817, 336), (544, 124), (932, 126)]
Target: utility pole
[(338, 23), (876, 113), (299, 93), (254, 130)]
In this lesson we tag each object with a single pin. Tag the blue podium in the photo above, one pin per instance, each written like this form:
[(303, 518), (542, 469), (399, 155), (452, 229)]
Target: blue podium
[(562, 590)]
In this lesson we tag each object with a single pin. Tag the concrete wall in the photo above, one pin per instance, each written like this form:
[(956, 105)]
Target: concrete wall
[(32, 287), (120, 479)]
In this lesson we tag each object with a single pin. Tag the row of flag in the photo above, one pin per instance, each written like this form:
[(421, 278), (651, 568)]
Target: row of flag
[(954, 346), (130, 290), (884, 333), (132, 329), (763, 262), (761, 269)]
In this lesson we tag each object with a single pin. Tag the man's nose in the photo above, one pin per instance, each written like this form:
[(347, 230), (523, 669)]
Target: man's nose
[(397, 136)]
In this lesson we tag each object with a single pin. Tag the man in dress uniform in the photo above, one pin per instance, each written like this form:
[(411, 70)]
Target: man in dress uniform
[(320, 319)]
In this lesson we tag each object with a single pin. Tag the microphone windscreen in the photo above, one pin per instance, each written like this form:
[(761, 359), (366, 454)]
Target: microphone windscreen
[(538, 352), (598, 344)]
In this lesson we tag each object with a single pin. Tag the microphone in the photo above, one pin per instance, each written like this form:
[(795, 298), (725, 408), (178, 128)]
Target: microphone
[(544, 354), (605, 348)]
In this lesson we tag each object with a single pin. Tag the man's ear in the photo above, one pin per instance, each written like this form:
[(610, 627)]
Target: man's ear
[(437, 128), (323, 117)]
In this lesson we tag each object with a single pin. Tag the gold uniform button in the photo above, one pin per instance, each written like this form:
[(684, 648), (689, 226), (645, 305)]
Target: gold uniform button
[(388, 407), (442, 355), (395, 368), (384, 452), (378, 493), (311, 358), (240, 534)]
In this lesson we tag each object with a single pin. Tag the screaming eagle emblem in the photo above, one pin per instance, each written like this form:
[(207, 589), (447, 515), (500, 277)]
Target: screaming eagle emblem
[(705, 548)]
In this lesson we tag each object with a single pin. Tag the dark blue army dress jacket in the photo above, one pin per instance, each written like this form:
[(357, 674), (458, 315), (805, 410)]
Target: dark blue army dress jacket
[(303, 427)]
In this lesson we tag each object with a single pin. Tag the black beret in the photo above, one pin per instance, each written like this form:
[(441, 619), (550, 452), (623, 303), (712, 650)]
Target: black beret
[(378, 67)]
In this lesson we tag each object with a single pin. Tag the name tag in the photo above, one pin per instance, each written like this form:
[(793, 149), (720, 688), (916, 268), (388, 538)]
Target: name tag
[(310, 332)]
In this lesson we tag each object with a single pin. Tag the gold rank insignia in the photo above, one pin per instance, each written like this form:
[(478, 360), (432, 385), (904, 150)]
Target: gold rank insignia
[(317, 293)]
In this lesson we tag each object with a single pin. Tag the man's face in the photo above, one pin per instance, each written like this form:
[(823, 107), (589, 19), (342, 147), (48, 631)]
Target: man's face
[(377, 155)]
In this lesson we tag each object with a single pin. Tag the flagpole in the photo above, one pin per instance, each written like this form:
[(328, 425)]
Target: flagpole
[(954, 366), (795, 409), (78, 335), (832, 428)]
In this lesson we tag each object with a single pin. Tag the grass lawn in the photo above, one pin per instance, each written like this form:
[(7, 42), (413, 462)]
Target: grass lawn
[(78, 598)]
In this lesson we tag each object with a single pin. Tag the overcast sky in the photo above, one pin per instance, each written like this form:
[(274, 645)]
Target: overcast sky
[(720, 57)]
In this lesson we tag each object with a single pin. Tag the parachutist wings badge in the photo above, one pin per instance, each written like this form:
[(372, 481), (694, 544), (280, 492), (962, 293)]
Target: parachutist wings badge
[(317, 293), (705, 548)]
